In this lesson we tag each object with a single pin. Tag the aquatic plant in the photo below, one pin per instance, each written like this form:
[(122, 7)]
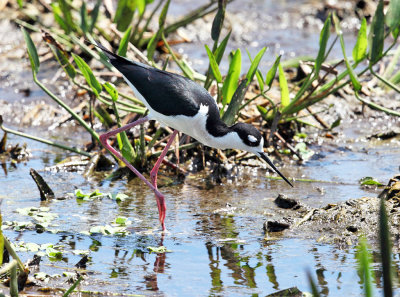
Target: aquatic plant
[(107, 102)]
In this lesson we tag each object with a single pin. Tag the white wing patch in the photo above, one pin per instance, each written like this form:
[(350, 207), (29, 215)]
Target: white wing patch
[(203, 109), (251, 138)]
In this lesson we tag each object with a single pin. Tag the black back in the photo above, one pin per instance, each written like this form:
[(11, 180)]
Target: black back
[(167, 93)]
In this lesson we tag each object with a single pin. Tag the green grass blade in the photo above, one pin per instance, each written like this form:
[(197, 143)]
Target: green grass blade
[(232, 79), (58, 18), (385, 250), (110, 88), (214, 65), (88, 74), (352, 74), (74, 285), (364, 259), (272, 72), (376, 35), (313, 286), (323, 41), (236, 102), (84, 18), (123, 46), (219, 52), (163, 14), (260, 80), (94, 14), (218, 20), (124, 14), (66, 11), (285, 99), (360, 49), (13, 280), (64, 62), (141, 5), (20, 3), (393, 15), (33, 56), (151, 46), (254, 65)]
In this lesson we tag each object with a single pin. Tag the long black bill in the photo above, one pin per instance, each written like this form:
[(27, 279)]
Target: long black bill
[(266, 159)]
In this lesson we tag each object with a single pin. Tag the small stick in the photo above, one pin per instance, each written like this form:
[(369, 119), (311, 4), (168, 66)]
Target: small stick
[(288, 145)]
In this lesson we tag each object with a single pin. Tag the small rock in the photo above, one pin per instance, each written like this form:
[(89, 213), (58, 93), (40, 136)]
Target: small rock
[(352, 229), (283, 201), (275, 226)]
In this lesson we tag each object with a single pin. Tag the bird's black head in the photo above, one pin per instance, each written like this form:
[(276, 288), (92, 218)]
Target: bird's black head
[(249, 135), (251, 140)]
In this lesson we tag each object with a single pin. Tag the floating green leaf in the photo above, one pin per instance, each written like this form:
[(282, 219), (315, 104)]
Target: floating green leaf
[(285, 99), (33, 56), (88, 74), (121, 220), (123, 46), (376, 35), (53, 253), (254, 65), (232, 79), (271, 73), (369, 181), (119, 197), (158, 249), (79, 194), (214, 65)]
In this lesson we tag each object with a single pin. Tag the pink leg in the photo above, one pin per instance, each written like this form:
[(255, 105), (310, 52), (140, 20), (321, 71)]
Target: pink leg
[(153, 175), (159, 197)]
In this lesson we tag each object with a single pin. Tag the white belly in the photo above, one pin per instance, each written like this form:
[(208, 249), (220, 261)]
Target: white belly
[(192, 126)]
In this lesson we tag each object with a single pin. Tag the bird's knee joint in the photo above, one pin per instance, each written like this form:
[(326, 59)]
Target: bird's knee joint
[(103, 139)]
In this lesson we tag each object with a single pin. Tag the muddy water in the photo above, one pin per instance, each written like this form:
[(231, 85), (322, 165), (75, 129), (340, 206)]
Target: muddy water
[(215, 249)]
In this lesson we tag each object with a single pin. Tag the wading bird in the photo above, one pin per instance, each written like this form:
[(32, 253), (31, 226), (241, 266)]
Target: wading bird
[(185, 106)]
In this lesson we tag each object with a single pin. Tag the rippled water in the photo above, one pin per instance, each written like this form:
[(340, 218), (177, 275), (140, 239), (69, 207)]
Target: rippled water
[(216, 242)]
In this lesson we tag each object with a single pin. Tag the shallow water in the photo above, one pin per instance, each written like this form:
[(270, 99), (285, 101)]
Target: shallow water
[(215, 249), (213, 252)]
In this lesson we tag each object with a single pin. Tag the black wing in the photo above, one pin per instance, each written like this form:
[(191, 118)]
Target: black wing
[(167, 93)]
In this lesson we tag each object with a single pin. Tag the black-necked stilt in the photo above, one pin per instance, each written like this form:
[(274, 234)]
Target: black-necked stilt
[(183, 105)]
